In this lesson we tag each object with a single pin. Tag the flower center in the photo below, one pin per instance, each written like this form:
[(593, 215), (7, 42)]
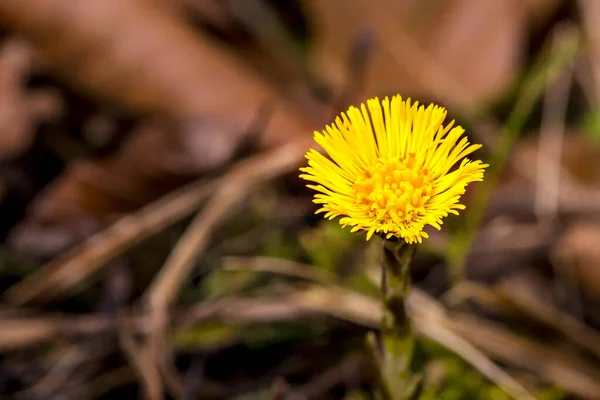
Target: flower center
[(394, 192)]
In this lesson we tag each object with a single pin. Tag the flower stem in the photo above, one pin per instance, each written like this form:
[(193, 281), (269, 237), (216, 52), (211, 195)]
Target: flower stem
[(394, 353)]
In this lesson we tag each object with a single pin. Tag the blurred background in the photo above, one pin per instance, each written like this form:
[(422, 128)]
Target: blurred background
[(158, 243)]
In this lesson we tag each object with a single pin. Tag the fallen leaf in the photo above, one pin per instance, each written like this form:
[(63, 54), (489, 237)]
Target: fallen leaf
[(142, 55), (461, 52), (579, 159), (538, 10), (150, 162), (21, 109), (214, 12), (579, 254)]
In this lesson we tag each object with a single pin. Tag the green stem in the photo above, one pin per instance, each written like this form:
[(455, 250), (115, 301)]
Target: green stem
[(393, 354), (395, 285)]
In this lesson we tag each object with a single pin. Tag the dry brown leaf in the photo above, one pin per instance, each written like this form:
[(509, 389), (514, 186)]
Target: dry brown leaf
[(579, 254), (150, 162), (460, 52), (20, 110), (578, 188), (579, 158), (541, 6), (140, 54), (214, 12)]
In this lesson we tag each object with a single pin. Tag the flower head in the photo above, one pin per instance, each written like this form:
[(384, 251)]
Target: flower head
[(391, 168)]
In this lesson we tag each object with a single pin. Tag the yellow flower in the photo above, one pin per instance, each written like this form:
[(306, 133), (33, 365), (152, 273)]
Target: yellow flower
[(390, 169)]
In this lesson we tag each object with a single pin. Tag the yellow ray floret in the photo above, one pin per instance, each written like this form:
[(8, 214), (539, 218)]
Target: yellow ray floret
[(393, 168)]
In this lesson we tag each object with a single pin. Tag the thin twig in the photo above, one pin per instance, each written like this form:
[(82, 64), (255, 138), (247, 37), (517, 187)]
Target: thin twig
[(517, 294), (562, 368), (551, 140), (477, 359), (104, 383), (60, 372), (25, 332), (590, 12), (429, 316), (548, 169), (163, 291), (278, 266), (139, 360), (77, 265), (261, 20), (357, 67), (568, 40)]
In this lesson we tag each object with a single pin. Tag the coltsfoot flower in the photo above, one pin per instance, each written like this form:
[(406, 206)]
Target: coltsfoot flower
[(391, 168)]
